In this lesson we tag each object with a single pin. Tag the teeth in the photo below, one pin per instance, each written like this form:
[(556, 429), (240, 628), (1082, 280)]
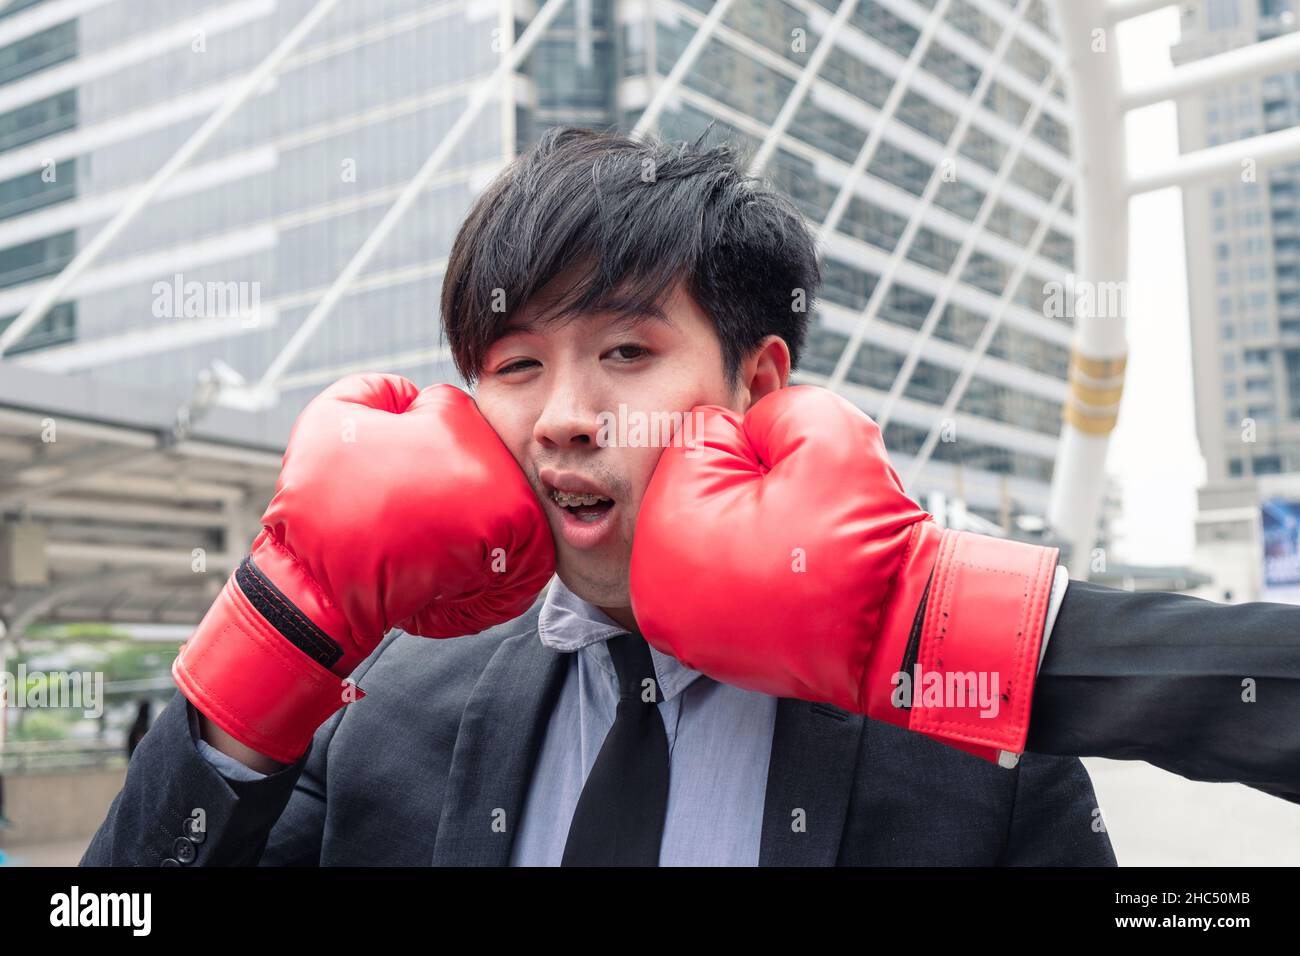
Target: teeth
[(567, 499)]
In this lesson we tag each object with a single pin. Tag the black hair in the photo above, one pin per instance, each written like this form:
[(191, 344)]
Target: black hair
[(634, 217)]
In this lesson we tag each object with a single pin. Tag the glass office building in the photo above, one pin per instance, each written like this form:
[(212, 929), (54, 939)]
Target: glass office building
[(1243, 245), (96, 94)]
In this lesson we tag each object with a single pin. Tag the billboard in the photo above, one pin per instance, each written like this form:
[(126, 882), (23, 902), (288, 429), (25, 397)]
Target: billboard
[(1281, 536)]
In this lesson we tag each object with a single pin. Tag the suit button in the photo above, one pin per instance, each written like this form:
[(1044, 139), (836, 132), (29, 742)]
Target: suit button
[(170, 862), (193, 831), (184, 850)]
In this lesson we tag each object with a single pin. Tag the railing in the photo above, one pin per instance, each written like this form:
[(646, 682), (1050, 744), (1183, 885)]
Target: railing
[(26, 756)]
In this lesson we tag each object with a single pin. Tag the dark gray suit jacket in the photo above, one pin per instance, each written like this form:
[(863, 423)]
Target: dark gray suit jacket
[(428, 765)]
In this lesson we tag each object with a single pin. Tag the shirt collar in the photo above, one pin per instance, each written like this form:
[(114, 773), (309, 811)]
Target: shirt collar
[(568, 624)]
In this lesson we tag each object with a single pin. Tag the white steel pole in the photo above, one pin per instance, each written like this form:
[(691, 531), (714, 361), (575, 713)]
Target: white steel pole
[(1100, 347)]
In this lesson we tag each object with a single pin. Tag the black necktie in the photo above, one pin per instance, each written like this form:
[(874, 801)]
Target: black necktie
[(619, 820)]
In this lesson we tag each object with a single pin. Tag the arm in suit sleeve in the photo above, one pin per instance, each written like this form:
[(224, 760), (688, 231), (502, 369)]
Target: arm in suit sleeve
[(251, 818), (1208, 691), (167, 780)]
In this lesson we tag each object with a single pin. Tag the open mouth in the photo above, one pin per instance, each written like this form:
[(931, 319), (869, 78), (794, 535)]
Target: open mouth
[(587, 508), (584, 506)]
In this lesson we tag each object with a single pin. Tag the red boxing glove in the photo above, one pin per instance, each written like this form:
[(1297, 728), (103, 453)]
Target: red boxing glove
[(780, 554), (395, 507)]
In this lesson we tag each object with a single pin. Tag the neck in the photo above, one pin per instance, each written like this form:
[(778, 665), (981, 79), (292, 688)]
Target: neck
[(623, 617)]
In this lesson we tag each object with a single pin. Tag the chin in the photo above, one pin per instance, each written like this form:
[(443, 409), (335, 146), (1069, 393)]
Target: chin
[(604, 585)]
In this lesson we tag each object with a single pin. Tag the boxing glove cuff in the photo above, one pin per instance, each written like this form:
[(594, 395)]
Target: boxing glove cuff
[(247, 676), (972, 652)]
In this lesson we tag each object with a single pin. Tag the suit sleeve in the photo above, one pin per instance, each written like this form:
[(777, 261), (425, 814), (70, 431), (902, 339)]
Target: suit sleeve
[(1207, 691), (172, 794), (248, 818)]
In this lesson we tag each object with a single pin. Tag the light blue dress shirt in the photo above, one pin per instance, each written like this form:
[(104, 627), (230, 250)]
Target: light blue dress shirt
[(719, 743)]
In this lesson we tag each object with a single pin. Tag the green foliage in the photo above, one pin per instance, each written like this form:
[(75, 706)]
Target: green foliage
[(85, 648), (44, 725)]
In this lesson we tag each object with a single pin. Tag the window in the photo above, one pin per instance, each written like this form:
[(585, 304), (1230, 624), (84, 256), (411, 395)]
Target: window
[(33, 260), (33, 190), (38, 51), (58, 326), (36, 120)]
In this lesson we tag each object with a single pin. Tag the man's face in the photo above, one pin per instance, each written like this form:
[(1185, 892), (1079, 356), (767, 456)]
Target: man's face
[(547, 390)]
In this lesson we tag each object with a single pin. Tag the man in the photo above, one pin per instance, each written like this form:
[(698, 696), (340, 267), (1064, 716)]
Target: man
[(597, 278)]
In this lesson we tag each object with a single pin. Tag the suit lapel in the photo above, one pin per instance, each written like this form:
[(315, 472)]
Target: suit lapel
[(814, 756), (500, 734)]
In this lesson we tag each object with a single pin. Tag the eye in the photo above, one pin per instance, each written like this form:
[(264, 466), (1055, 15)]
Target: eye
[(630, 352), (518, 366)]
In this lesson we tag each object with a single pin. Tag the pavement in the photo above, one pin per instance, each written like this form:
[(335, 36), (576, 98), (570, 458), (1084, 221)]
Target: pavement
[(62, 853), (1156, 818)]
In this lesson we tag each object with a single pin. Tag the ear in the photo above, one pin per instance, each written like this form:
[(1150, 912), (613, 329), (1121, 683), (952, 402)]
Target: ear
[(765, 370)]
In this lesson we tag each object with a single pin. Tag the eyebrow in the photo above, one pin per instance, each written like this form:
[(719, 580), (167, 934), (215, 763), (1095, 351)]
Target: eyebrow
[(628, 321)]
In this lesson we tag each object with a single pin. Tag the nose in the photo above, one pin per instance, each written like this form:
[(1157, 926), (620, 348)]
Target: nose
[(570, 418)]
